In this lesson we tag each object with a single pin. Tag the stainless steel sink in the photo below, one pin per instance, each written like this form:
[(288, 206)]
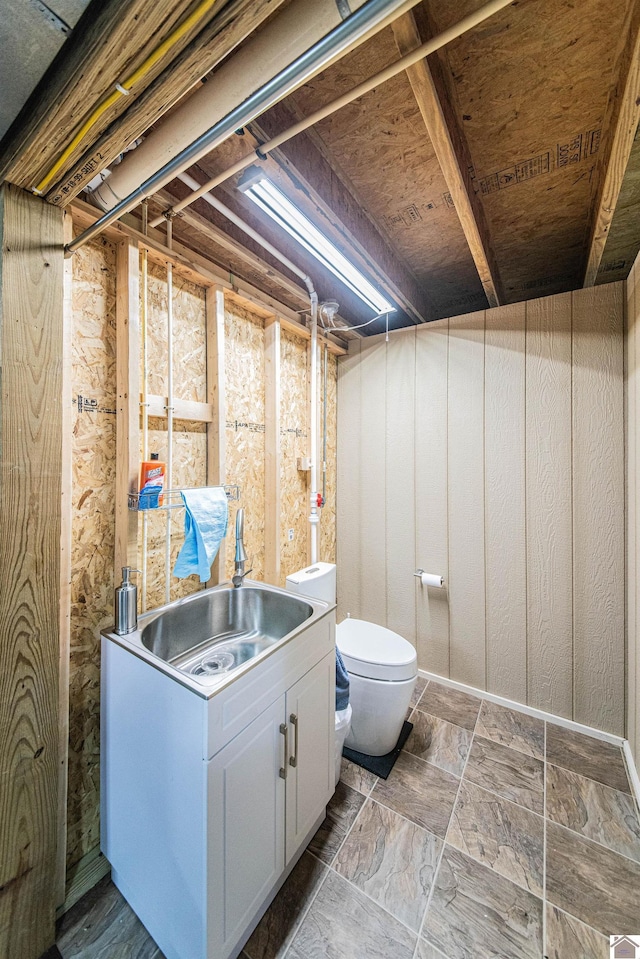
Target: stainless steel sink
[(212, 633)]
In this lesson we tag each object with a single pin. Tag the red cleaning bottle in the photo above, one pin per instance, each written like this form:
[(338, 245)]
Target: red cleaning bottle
[(152, 474)]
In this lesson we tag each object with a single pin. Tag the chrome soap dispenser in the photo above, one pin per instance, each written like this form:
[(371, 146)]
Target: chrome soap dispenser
[(126, 606)]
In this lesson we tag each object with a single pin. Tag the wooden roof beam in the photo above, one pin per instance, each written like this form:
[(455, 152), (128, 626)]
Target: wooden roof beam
[(451, 150), (619, 131)]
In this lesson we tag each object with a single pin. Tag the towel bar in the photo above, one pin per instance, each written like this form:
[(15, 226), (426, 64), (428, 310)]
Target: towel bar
[(172, 498)]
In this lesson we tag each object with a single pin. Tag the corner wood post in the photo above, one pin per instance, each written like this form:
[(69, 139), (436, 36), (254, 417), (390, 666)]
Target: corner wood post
[(32, 349)]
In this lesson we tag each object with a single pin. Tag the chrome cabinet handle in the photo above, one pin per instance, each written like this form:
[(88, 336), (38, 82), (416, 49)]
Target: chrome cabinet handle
[(293, 719), (284, 729)]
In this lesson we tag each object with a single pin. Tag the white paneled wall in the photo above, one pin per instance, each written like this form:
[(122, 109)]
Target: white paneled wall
[(633, 507), (490, 448)]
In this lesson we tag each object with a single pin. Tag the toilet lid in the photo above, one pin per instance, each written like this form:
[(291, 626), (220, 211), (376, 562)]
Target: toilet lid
[(375, 652)]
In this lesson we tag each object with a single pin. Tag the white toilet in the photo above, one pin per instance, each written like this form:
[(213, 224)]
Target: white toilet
[(382, 667)]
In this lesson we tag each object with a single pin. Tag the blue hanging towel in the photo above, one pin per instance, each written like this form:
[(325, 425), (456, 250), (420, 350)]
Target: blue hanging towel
[(205, 524), (342, 683)]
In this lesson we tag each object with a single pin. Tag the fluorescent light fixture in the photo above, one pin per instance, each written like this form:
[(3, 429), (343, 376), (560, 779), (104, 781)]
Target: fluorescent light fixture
[(276, 205)]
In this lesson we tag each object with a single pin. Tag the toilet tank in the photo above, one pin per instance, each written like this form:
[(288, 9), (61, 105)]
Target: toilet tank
[(317, 581)]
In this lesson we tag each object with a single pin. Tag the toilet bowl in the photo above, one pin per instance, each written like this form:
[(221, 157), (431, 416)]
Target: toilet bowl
[(383, 669)]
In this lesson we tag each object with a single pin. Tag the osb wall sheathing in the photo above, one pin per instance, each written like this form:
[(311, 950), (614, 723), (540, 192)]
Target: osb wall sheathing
[(328, 517), (189, 439), (92, 553), (245, 414), (294, 443)]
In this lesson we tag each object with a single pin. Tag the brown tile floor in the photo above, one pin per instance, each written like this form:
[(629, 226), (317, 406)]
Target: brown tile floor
[(494, 836)]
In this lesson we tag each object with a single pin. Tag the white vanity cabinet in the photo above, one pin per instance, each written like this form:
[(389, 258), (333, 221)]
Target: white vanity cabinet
[(262, 807), (208, 803)]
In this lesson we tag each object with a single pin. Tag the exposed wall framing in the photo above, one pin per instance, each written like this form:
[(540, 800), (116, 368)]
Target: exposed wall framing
[(65, 572), (201, 271), (189, 469), (93, 399), (225, 371), (127, 385)]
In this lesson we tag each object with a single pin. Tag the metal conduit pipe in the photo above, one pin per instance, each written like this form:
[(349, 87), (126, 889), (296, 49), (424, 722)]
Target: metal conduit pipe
[(472, 20), (355, 27), (287, 36), (167, 556), (230, 215)]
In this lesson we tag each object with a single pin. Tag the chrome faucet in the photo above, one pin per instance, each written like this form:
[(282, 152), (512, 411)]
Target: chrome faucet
[(241, 554)]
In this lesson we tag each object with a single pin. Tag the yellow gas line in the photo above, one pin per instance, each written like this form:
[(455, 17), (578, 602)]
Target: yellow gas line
[(123, 89)]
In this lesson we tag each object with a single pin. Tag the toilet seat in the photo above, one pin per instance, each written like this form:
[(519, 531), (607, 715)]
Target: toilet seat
[(375, 652)]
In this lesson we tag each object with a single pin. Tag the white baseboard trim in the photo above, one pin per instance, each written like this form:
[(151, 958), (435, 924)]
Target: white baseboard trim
[(632, 771), (529, 710), (82, 877)]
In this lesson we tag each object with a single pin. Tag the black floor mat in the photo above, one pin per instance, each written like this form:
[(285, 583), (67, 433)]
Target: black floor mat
[(379, 765), (53, 953)]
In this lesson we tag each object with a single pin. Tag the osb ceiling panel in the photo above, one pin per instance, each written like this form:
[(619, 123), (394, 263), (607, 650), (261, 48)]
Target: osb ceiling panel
[(531, 90), (530, 95), (381, 144)]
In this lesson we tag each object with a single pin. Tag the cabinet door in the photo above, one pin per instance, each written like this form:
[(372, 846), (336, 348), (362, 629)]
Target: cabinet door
[(311, 769), (245, 827)]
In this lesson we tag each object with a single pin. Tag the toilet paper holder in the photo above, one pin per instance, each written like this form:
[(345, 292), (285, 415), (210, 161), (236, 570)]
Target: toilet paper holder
[(430, 579)]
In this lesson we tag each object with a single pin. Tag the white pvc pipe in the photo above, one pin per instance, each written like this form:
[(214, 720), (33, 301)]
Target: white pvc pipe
[(145, 405), (435, 43), (314, 516), (265, 54), (169, 476), (325, 392)]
